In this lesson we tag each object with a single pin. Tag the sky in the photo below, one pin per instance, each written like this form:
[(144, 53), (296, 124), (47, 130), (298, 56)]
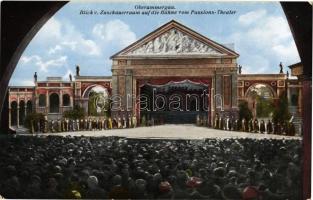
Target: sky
[(259, 31)]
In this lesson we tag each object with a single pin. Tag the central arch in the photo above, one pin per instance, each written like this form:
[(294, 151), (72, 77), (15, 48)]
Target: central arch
[(177, 102), (54, 102), (260, 98), (98, 99)]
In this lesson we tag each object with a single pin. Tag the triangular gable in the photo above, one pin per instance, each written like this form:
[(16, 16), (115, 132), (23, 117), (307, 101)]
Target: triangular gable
[(175, 39)]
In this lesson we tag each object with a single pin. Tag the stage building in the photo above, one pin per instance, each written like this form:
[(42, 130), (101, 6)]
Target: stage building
[(173, 73)]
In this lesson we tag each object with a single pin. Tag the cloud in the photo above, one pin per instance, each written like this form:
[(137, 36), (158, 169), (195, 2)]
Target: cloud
[(263, 40), (115, 31), (54, 49), (60, 36), (49, 32), (250, 17), (42, 64)]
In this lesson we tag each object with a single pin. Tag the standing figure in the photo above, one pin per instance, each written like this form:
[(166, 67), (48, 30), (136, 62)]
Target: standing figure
[(52, 126), (110, 125), (243, 125), (32, 130), (77, 125), (38, 127), (59, 125), (85, 124), (63, 125), (46, 125), (292, 129), (130, 121), (256, 126), (198, 120), (124, 122), (262, 126), (216, 121), (250, 125), (269, 127), (236, 125), (81, 124), (220, 124), (105, 123), (119, 122), (134, 121), (227, 123), (89, 124), (278, 128), (285, 128)]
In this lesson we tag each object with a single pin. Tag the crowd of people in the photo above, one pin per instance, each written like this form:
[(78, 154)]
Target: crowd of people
[(254, 126), (84, 124), (119, 168)]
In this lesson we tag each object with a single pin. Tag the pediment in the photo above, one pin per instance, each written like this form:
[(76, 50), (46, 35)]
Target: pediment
[(174, 39)]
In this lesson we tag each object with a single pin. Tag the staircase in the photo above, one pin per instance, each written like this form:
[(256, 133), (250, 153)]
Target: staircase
[(20, 129), (297, 119)]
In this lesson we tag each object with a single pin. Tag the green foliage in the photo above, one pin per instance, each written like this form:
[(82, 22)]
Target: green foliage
[(33, 117), (264, 107), (244, 111), (76, 113), (92, 107), (281, 112)]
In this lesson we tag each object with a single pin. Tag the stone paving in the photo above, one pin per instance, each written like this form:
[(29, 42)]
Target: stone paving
[(182, 131)]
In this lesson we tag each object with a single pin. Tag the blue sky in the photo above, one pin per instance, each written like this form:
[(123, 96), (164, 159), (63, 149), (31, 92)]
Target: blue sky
[(259, 31)]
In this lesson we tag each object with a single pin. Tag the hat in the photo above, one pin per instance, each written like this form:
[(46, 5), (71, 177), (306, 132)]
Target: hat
[(75, 194), (194, 182), (92, 181), (165, 187), (249, 193)]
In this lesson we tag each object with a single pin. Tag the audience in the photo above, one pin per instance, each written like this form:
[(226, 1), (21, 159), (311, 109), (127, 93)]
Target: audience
[(118, 168)]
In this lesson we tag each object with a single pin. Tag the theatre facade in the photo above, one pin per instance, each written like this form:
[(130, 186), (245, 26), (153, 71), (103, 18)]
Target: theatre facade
[(179, 65), (173, 73)]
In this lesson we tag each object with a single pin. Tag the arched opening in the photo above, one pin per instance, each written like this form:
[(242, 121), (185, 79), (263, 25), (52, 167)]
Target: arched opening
[(98, 101), (174, 102), (260, 100), (42, 100), (22, 112), (54, 103), (29, 107), (13, 113), (66, 100)]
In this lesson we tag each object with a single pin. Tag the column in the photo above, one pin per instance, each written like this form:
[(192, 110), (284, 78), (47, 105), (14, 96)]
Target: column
[(71, 101), (25, 110), (18, 115), (61, 101), (18, 112), (47, 102), (288, 94), (129, 90), (300, 99), (10, 116), (234, 90), (212, 101)]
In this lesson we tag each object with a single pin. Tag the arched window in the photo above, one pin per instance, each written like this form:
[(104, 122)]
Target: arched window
[(29, 107), (66, 100), (22, 112), (54, 103), (42, 100), (13, 113)]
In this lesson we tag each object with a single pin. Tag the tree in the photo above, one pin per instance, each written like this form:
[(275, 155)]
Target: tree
[(264, 106), (76, 113), (33, 118), (281, 112), (244, 111)]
